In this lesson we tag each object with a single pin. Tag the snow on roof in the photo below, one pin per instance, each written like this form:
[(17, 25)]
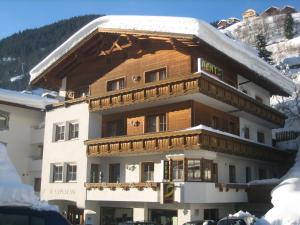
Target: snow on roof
[(12, 191), (175, 25), (23, 99)]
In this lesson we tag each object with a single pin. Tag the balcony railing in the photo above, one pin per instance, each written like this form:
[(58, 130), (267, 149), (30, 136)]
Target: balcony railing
[(182, 140), (197, 83), (286, 135), (124, 186)]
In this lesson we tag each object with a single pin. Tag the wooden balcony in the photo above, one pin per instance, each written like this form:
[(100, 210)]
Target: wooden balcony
[(197, 83), (124, 186), (182, 140)]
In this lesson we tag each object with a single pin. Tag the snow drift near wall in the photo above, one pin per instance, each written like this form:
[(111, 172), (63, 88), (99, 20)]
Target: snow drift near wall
[(12, 191), (285, 199)]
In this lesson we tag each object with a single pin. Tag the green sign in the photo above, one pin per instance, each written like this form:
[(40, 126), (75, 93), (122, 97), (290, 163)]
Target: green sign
[(210, 68)]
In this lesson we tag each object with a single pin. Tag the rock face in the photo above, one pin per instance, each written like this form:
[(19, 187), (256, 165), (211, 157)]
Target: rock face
[(272, 27)]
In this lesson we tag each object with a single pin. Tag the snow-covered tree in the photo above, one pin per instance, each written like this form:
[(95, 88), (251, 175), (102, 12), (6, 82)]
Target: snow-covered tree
[(289, 26), (262, 51)]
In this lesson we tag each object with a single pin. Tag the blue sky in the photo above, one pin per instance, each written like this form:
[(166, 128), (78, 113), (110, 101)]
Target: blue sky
[(17, 15)]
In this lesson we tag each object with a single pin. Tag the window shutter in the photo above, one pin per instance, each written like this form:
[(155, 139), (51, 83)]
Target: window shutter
[(64, 172), (51, 178), (215, 172)]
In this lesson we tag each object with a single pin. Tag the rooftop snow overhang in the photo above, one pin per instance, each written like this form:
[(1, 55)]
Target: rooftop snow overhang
[(172, 26)]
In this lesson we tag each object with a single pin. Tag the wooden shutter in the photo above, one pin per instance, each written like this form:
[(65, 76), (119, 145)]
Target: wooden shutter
[(179, 119)]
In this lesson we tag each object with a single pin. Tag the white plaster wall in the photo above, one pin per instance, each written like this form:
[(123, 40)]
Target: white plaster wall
[(254, 127), (18, 139), (73, 151), (254, 90)]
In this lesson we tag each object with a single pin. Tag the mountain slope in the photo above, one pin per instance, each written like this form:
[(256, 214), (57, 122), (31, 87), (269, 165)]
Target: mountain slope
[(22, 51)]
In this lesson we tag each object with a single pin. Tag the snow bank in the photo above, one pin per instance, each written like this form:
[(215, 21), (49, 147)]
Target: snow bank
[(29, 100), (12, 191), (286, 199), (265, 181), (176, 25)]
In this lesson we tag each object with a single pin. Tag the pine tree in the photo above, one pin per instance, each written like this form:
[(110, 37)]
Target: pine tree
[(262, 51), (289, 26)]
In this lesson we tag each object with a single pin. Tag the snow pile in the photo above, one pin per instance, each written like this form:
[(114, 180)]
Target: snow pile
[(12, 191), (29, 100), (285, 199), (176, 25), (265, 181)]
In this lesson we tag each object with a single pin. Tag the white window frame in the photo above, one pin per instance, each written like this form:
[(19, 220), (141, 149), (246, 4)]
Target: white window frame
[(70, 132), (73, 177), (55, 132), (54, 178)]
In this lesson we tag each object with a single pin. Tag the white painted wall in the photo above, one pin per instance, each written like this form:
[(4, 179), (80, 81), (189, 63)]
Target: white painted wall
[(66, 151), (22, 141), (254, 90), (254, 128)]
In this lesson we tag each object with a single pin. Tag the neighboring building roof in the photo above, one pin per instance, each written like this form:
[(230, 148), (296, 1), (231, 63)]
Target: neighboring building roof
[(249, 13), (24, 100), (175, 25)]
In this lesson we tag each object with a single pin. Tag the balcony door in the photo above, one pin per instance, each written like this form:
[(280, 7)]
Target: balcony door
[(114, 173)]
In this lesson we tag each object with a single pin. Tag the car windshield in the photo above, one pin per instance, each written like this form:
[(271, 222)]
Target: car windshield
[(232, 222)]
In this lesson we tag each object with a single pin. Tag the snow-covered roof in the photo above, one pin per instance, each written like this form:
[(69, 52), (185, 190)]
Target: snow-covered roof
[(175, 25), (28, 100)]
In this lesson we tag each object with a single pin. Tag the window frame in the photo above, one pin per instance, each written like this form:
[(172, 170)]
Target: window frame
[(232, 179), (6, 116), (71, 132), (157, 122), (248, 132), (54, 175), (148, 172), (72, 173), (157, 76), (120, 127), (263, 141), (177, 178), (248, 174), (188, 178), (118, 84), (56, 126)]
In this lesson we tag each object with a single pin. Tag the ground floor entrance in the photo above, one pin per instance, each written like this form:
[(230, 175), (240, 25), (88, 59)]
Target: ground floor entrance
[(75, 215), (163, 217), (114, 216)]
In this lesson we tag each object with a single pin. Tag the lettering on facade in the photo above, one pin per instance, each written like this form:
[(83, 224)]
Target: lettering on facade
[(207, 67), (62, 191)]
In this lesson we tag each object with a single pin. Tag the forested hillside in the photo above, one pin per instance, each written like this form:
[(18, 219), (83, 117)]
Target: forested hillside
[(22, 51)]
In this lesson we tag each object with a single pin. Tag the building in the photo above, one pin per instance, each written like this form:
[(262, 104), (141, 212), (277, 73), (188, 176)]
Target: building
[(249, 13), (164, 119), (22, 131)]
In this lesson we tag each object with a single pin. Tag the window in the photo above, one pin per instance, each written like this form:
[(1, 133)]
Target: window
[(155, 75), (246, 132), (73, 130), (71, 172), (57, 173), (114, 85), (232, 176), (59, 132), (259, 99), (215, 122), (156, 123), (95, 173), (147, 171), (4, 118), (262, 174), (115, 128), (260, 137), (194, 170), (114, 173), (207, 170), (211, 214), (231, 127), (177, 169), (13, 218), (248, 174), (37, 184)]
